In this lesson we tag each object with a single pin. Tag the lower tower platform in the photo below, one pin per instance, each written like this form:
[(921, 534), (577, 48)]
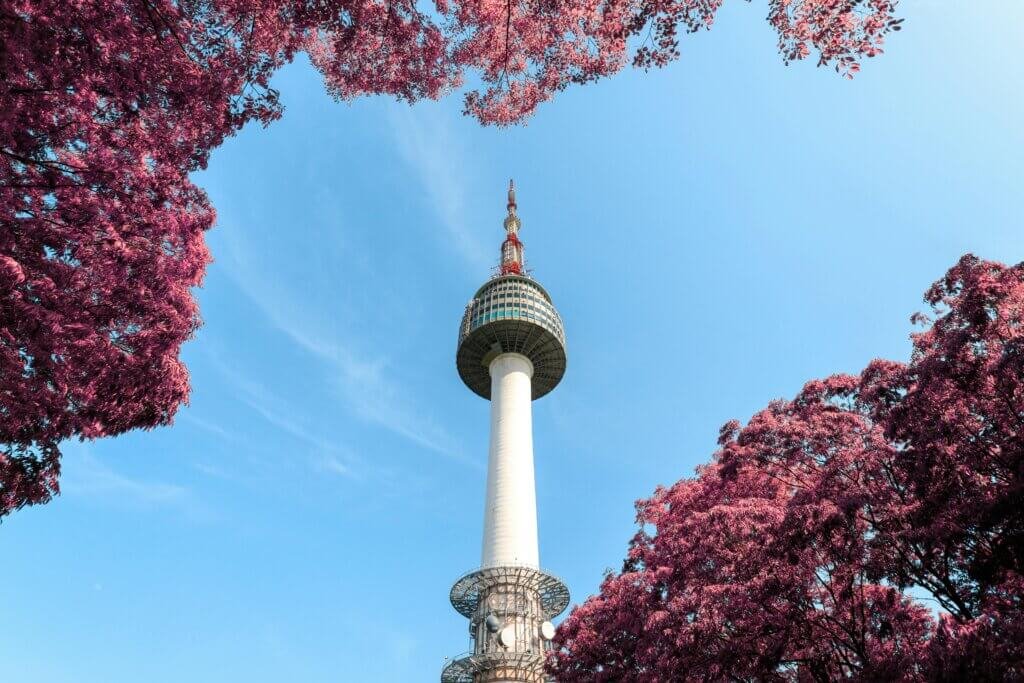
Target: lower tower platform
[(510, 609)]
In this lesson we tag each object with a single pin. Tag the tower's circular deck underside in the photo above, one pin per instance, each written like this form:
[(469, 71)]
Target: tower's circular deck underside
[(511, 314), (552, 591), (470, 668)]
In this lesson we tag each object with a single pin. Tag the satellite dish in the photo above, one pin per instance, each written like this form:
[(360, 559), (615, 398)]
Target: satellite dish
[(493, 623), (507, 636), (547, 630)]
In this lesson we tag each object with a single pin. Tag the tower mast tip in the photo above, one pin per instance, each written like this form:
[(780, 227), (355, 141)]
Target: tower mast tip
[(511, 248)]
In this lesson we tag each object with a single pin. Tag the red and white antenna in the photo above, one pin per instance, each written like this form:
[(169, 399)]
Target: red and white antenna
[(512, 248)]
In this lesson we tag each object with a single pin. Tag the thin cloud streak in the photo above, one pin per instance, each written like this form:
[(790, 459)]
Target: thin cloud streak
[(332, 464), (425, 141), (274, 412), (215, 429), (87, 477), (360, 382)]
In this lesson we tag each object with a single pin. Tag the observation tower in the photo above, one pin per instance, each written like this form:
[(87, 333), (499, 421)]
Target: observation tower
[(511, 351)]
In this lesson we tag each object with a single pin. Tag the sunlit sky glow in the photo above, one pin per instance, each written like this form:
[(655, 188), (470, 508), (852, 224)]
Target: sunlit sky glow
[(714, 235)]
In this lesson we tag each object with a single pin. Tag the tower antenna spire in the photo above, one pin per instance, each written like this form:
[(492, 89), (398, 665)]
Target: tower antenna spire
[(512, 249)]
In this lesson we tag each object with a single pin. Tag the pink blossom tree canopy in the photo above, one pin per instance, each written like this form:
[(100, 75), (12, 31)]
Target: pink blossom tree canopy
[(106, 106), (803, 550)]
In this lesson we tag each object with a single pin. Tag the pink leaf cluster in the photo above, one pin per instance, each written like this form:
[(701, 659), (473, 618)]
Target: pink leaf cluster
[(527, 50), (803, 550), (841, 31), (106, 106)]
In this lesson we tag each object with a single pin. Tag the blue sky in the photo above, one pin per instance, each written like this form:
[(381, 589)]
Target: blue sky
[(714, 235)]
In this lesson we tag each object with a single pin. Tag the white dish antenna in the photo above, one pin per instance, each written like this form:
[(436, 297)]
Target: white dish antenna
[(547, 630), (507, 636)]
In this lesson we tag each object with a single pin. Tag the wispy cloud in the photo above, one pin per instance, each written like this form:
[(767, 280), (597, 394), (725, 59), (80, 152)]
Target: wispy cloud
[(424, 139), (85, 476), (329, 463), (205, 425), (214, 471), (275, 412), (361, 381)]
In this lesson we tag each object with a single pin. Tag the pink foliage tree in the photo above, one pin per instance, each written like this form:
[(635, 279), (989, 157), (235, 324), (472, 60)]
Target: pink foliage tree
[(106, 106), (803, 550)]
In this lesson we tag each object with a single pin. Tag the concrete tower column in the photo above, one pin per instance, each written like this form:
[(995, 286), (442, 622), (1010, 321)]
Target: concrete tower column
[(510, 513)]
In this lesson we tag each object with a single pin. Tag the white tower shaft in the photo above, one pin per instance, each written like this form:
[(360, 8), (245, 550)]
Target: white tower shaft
[(510, 514)]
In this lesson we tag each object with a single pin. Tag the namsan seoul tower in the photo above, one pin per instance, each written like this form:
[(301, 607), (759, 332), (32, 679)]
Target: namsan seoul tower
[(511, 351)]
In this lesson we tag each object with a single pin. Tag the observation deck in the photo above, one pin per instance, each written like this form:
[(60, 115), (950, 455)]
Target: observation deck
[(511, 314)]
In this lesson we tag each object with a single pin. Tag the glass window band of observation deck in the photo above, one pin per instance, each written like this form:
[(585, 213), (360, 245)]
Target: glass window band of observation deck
[(512, 297), (511, 313)]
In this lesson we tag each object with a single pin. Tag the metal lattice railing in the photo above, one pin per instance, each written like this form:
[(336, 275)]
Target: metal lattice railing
[(553, 593), (469, 667)]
